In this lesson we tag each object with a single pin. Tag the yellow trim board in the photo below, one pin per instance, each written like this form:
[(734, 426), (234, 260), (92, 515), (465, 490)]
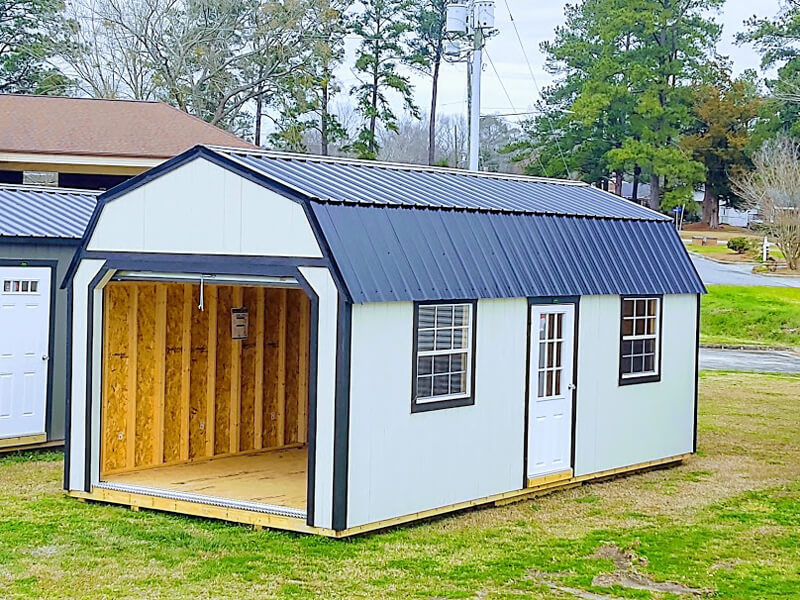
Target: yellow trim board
[(517, 495), (551, 478), (260, 520), (199, 509), (24, 440)]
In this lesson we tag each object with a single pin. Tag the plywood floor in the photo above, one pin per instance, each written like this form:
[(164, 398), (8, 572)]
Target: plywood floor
[(276, 477)]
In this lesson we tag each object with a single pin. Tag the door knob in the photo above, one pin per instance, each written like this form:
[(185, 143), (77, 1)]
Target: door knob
[(45, 357)]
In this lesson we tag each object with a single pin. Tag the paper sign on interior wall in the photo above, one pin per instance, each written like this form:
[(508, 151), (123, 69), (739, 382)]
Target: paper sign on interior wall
[(239, 322)]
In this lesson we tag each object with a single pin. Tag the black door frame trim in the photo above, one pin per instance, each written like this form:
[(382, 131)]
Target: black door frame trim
[(545, 301), (696, 373), (341, 415), (201, 265), (51, 342)]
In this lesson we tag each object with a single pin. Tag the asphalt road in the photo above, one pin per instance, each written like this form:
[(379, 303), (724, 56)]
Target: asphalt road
[(713, 272), (765, 361)]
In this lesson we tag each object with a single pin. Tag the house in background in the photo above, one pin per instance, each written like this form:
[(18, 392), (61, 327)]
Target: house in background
[(334, 346), (737, 217), (71, 147), (91, 143)]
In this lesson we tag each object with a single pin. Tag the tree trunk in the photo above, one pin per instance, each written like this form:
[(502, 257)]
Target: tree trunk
[(323, 119), (618, 183), (710, 208), (637, 172), (373, 120), (655, 193), (259, 109), (432, 122)]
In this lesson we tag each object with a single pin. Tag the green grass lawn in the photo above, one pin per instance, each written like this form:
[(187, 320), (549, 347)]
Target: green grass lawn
[(712, 250), (726, 522), (751, 315)]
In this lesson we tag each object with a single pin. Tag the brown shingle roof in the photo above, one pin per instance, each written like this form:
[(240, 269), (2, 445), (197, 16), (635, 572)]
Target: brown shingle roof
[(85, 126)]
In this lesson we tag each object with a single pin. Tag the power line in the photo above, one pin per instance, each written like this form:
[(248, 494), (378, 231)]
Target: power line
[(536, 85), (510, 102), (499, 79)]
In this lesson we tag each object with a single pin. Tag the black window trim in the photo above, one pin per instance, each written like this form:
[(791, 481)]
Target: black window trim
[(418, 407), (650, 378)]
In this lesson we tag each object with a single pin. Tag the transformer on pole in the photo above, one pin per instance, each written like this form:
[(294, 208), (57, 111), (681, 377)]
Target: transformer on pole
[(469, 24)]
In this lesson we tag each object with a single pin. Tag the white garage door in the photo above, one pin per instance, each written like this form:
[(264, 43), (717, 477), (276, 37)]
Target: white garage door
[(24, 343)]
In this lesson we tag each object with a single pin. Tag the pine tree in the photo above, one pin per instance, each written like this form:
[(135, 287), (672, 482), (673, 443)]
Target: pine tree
[(622, 101), (430, 17), (724, 115), (383, 26), (27, 44), (305, 105)]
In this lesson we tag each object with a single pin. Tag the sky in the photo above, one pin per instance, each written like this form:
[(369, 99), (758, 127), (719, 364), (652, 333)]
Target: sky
[(536, 21)]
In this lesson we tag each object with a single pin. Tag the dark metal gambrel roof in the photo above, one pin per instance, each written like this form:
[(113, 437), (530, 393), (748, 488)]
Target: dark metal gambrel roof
[(405, 232), (390, 184), (402, 232), (44, 212), (400, 254)]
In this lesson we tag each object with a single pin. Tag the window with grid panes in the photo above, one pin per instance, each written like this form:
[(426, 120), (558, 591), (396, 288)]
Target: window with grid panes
[(551, 345), (444, 352), (640, 332)]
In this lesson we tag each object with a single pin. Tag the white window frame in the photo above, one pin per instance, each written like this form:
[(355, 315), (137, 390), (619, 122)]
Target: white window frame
[(655, 373), (444, 400)]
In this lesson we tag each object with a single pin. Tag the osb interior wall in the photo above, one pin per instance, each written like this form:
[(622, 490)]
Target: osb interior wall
[(178, 387)]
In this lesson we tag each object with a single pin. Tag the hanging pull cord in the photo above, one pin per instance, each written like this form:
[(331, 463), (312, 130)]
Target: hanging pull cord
[(201, 306)]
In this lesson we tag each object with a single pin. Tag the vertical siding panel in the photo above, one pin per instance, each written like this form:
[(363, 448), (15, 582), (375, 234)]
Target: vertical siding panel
[(258, 392), (222, 435), (145, 316), (186, 366), (211, 375), (130, 435), (235, 375), (172, 368), (160, 366)]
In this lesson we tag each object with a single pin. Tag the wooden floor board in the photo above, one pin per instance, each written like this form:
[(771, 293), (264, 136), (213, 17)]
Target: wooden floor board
[(275, 477)]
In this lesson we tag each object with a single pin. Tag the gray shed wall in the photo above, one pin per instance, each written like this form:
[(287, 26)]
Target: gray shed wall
[(62, 253)]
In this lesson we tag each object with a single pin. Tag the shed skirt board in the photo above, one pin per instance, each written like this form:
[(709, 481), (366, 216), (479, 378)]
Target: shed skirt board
[(210, 507), (10, 443), (264, 480)]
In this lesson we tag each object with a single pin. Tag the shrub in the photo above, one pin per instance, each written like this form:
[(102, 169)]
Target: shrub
[(740, 245)]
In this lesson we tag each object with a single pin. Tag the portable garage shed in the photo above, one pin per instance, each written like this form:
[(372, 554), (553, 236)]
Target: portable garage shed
[(334, 346), (40, 229)]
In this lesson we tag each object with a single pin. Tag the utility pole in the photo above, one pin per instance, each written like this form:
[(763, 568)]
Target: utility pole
[(469, 25)]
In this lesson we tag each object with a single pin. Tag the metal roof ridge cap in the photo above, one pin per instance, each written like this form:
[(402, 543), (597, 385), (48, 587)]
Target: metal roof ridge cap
[(220, 151), (481, 210), (27, 187), (642, 206), (40, 236), (396, 165)]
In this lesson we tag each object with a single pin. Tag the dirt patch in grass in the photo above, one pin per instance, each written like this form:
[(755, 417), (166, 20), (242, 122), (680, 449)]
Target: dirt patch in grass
[(627, 576)]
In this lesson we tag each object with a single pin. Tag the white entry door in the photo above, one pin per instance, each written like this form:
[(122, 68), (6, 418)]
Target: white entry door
[(24, 344), (551, 389)]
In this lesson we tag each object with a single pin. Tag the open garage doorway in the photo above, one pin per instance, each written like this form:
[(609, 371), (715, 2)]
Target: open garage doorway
[(205, 392)]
